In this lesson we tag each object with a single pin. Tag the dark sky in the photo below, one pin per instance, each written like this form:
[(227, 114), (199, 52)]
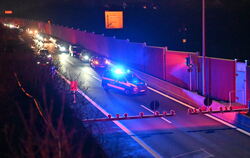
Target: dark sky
[(162, 23), (173, 3)]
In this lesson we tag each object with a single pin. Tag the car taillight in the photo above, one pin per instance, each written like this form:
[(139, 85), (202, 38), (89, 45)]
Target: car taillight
[(107, 62), (96, 62), (135, 89)]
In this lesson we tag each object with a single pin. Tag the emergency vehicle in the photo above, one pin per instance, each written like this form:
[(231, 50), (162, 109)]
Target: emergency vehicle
[(124, 80)]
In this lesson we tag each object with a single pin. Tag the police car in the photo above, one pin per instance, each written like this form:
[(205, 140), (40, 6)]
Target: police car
[(124, 80)]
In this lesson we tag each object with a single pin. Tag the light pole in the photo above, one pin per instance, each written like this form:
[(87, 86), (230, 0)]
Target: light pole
[(203, 47)]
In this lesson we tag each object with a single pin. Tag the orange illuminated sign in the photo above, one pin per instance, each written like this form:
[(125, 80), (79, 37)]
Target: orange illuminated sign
[(8, 12), (113, 19)]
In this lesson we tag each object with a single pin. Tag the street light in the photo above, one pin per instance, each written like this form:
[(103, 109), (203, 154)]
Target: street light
[(203, 48)]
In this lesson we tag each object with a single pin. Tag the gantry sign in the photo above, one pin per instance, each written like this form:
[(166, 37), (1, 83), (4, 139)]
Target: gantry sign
[(113, 19)]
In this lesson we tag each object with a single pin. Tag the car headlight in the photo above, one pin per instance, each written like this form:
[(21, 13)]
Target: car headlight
[(86, 57), (38, 62), (62, 49), (107, 62), (49, 56)]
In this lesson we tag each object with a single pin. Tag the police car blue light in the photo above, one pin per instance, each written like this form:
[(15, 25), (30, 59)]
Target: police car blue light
[(119, 71)]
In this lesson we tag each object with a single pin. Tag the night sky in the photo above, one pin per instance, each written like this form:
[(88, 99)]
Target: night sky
[(158, 23)]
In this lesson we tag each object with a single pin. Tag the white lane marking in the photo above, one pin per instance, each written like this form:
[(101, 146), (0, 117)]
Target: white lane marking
[(96, 78), (93, 103), (228, 124), (186, 153), (209, 154), (163, 118), (166, 120), (125, 129), (167, 96), (208, 115), (191, 152)]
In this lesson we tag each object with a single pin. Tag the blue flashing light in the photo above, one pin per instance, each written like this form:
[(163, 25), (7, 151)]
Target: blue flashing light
[(135, 81), (119, 71)]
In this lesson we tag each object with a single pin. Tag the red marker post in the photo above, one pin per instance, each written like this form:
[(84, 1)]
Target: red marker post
[(73, 88)]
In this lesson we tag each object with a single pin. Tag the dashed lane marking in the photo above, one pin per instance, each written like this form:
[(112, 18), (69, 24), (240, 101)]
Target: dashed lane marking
[(164, 119), (96, 77), (195, 153), (167, 96)]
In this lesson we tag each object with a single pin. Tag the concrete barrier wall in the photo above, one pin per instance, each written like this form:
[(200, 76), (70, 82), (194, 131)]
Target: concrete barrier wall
[(177, 70), (154, 61), (92, 42), (220, 78)]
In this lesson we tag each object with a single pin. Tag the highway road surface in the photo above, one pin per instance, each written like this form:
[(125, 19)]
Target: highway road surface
[(179, 136)]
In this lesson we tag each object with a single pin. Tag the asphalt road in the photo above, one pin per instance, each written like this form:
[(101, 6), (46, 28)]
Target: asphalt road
[(181, 135)]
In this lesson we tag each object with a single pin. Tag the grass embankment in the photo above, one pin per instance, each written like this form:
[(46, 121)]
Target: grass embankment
[(23, 132)]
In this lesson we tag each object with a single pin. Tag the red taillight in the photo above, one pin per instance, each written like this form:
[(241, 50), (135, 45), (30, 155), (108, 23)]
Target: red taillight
[(96, 62), (135, 89), (107, 62)]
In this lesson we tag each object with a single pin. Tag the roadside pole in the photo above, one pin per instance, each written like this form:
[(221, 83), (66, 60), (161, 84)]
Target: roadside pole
[(203, 48)]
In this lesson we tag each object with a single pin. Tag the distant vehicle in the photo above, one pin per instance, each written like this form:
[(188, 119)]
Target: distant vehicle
[(85, 57), (44, 58), (99, 62), (43, 61), (44, 53), (48, 44), (124, 80), (75, 50), (62, 47)]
